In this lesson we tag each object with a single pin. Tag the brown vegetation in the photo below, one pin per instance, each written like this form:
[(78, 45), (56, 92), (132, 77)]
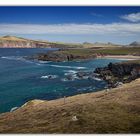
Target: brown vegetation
[(113, 111)]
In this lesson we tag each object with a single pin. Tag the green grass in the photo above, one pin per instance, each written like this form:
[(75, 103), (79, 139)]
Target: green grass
[(120, 51), (104, 51), (77, 52)]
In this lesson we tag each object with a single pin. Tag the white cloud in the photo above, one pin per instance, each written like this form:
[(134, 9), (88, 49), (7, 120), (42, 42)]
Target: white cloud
[(133, 17), (124, 29)]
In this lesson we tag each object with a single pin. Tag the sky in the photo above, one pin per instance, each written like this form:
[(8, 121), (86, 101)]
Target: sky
[(120, 25)]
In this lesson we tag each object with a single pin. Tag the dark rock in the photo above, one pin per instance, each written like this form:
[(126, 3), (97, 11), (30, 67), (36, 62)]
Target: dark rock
[(118, 73), (69, 77), (81, 74), (59, 56)]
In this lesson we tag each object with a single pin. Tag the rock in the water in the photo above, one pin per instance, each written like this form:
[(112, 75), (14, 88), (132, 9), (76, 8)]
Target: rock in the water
[(118, 73)]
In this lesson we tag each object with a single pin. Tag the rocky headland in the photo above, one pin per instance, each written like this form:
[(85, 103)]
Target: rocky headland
[(60, 56), (115, 74), (71, 54), (19, 42), (118, 73)]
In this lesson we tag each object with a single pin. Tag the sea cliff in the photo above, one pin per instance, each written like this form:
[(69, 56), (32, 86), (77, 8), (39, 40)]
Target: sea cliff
[(119, 73)]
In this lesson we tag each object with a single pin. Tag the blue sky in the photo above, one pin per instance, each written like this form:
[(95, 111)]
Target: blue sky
[(72, 24)]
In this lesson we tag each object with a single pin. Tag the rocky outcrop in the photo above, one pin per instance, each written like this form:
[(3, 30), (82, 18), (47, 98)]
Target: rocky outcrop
[(58, 56), (118, 73)]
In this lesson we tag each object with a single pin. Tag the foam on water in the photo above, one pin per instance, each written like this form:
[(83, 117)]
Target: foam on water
[(13, 109), (69, 67), (48, 76), (12, 57), (17, 58), (90, 88), (97, 79), (68, 72), (44, 62)]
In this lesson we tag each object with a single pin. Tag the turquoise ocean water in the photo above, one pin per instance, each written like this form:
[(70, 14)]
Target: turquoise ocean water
[(23, 80)]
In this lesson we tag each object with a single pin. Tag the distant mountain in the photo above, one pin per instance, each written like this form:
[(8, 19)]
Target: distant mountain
[(135, 44), (18, 42), (99, 44)]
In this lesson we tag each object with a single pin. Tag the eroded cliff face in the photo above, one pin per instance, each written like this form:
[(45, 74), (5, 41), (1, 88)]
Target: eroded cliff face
[(120, 72), (16, 42), (20, 44)]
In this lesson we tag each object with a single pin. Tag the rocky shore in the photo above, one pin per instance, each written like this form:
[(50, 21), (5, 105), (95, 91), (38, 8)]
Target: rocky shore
[(115, 74), (60, 56), (119, 73)]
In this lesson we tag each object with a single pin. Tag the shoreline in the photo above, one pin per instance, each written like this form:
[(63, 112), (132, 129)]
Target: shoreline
[(122, 57), (36, 102), (94, 112)]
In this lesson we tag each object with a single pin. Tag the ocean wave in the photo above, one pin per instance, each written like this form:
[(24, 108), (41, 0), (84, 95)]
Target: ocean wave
[(38, 64), (48, 76), (12, 57), (73, 75), (90, 88), (68, 72), (44, 62), (70, 67), (97, 79), (13, 109), (17, 58)]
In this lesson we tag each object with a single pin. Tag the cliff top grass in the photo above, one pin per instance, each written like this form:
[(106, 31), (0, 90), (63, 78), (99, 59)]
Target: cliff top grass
[(120, 51), (12, 38), (113, 111), (104, 51)]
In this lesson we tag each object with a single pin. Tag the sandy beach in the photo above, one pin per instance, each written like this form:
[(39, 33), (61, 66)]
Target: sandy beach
[(125, 57)]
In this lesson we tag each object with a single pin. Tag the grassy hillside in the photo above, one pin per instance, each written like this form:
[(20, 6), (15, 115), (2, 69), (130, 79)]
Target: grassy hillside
[(12, 38), (121, 51), (104, 51), (114, 111)]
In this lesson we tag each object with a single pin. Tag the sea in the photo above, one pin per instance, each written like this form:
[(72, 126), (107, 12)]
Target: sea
[(23, 80)]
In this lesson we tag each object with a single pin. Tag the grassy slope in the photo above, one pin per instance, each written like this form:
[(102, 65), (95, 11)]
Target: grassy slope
[(115, 111), (104, 51), (12, 38), (121, 51)]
